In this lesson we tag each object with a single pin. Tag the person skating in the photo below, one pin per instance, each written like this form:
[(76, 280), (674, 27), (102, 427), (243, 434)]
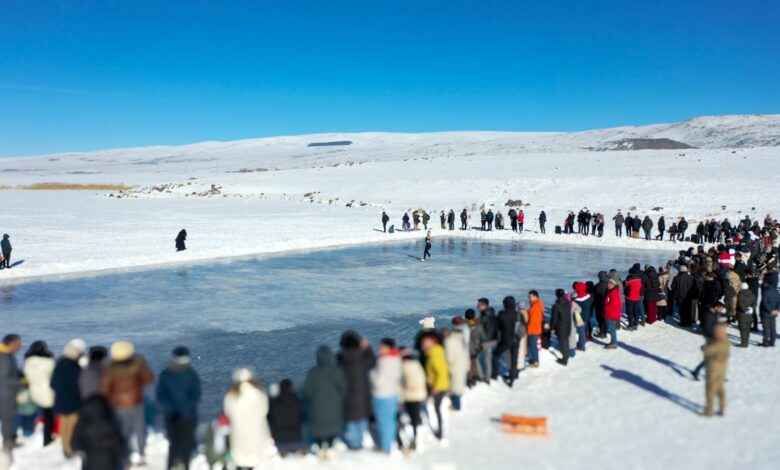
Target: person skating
[(561, 323), (178, 394), (385, 220), (745, 304), (39, 366), (9, 385), (6, 248), (286, 419), (67, 395), (542, 221), (428, 244), (97, 436), (612, 311), (246, 406), (324, 394), (385, 391), (123, 385), (716, 358), (180, 239)]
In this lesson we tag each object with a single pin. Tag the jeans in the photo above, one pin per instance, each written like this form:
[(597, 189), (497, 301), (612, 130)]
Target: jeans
[(632, 312), (533, 349), (612, 330), (455, 400), (487, 358), (641, 309), (385, 413), (354, 432), (581, 337), (132, 421)]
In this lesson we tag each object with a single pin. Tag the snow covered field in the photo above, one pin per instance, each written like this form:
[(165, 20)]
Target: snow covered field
[(630, 408), (276, 194)]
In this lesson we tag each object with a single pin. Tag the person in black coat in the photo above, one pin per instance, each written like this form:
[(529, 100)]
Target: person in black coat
[(180, 239), (508, 342), (5, 247), (542, 221), (356, 359), (385, 220), (684, 291), (67, 393), (711, 292), (178, 394), (285, 418), (560, 324), (98, 437), (661, 228)]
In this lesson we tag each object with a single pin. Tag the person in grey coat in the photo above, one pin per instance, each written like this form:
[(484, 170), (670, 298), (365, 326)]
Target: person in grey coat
[(89, 379), (9, 384)]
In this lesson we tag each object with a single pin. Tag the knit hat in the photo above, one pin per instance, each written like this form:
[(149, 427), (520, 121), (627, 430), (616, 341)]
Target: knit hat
[(181, 355), (427, 323), (242, 375), (744, 286), (75, 349), (122, 351)]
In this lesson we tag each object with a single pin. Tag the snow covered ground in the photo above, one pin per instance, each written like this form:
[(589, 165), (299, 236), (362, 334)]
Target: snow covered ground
[(630, 408), (275, 194), (635, 407)]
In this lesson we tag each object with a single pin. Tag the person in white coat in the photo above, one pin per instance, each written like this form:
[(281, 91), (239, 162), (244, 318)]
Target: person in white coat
[(413, 393), (39, 365), (246, 406), (458, 361)]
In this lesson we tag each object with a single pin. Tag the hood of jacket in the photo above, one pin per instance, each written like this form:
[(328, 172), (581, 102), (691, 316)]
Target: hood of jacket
[(325, 357)]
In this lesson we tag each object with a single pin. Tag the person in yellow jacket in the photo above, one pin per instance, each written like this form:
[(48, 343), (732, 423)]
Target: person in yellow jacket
[(437, 374)]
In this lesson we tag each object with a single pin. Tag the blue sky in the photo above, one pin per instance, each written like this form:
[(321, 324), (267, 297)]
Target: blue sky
[(108, 73)]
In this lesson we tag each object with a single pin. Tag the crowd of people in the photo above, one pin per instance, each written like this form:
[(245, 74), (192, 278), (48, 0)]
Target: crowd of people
[(587, 223), (390, 392)]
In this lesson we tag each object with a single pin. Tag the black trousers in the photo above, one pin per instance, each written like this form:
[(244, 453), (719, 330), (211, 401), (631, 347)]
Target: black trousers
[(769, 325), (427, 252), (437, 398), (7, 261), (618, 231), (48, 425), (501, 349), (563, 347), (744, 328), (181, 439), (541, 227)]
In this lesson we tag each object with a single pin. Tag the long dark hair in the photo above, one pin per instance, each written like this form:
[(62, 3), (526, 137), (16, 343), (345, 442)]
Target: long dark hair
[(39, 349)]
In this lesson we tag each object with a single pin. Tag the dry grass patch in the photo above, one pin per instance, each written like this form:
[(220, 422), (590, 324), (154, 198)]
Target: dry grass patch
[(70, 187)]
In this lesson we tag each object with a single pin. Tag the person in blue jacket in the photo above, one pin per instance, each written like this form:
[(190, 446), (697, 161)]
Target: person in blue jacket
[(178, 394), (770, 306)]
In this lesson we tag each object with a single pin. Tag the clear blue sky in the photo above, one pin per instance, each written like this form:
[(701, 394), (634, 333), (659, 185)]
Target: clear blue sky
[(81, 75)]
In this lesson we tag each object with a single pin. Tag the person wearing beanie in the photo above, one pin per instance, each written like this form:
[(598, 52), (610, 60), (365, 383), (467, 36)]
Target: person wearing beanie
[(67, 395), (716, 357), (178, 394), (324, 394), (123, 385), (92, 374), (246, 406)]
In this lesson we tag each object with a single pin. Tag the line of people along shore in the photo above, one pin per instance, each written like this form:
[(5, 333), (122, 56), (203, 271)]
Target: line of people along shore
[(592, 224), (393, 393)]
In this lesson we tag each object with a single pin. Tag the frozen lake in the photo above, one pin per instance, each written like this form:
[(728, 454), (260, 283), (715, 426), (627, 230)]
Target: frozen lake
[(272, 313)]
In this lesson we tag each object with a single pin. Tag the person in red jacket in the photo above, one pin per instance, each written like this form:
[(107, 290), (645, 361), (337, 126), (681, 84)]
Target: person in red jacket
[(633, 290), (612, 312), (520, 221)]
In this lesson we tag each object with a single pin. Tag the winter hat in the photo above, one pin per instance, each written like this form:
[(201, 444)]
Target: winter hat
[(181, 355), (683, 269), (122, 351), (242, 375), (744, 286), (74, 349), (427, 323), (457, 321)]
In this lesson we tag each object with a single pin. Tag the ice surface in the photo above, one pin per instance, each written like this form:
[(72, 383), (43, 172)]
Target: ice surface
[(271, 313)]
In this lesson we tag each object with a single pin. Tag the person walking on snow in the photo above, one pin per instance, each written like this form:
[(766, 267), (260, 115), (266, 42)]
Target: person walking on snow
[(5, 247), (180, 239)]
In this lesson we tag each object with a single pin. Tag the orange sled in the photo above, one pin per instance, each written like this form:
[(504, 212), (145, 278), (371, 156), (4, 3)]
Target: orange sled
[(534, 426)]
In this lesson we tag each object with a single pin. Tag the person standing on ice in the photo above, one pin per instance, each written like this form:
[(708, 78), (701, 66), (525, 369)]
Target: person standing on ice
[(661, 228), (5, 247), (716, 358), (464, 216), (512, 214), (180, 239), (647, 226), (178, 394), (385, 220), (542, 221), (682, 226), (451, 220), (428, 244), (443, 220), (612, 311), (521, 221), (425, 219), (489, 219), (619, 220), (405, 222)]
